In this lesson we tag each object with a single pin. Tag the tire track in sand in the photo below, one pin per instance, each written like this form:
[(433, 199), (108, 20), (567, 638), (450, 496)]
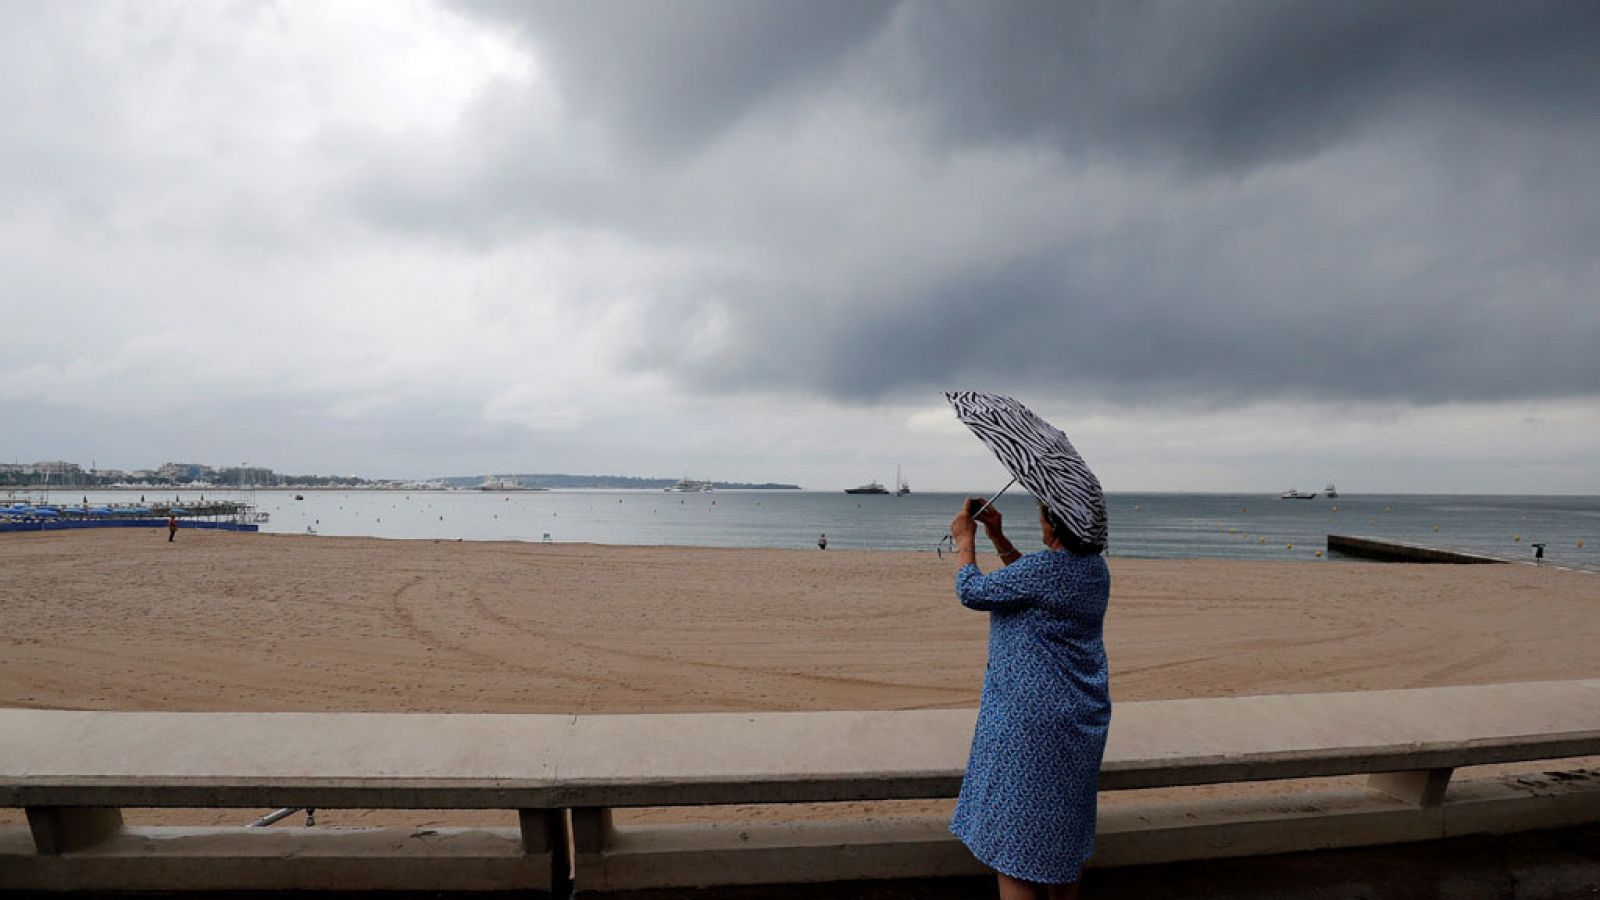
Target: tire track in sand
[(405, 618), (668, 665)]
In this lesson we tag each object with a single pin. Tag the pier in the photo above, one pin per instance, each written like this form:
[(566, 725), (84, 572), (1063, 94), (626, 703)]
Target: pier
[(222, 515), (1396, 551)]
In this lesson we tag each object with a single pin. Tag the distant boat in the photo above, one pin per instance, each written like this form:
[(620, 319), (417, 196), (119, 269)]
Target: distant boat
[(871, 487), (1330, 492), (901, 488), (689, 486), (1292, 494)]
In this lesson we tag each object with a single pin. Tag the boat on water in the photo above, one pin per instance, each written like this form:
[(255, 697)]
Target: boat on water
[(1330, 491), (901, 488), (689, 486), (1292, 494), (871, 487)]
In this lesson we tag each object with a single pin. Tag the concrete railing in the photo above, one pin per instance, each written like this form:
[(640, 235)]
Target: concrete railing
[(74, 771)]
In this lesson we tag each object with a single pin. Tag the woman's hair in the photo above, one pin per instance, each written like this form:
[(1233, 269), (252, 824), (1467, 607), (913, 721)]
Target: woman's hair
[(1075, 545)]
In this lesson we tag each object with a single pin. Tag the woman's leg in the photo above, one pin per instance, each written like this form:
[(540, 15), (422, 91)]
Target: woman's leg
[(1064, 891), (1017, 889)]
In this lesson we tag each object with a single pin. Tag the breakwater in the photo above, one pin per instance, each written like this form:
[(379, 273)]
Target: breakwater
[(1395, 551)]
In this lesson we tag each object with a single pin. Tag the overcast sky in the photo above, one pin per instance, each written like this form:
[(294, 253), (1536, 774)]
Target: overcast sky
[(1225, 246)]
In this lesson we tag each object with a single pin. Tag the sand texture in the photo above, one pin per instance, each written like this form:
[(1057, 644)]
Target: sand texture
[(123, 620)]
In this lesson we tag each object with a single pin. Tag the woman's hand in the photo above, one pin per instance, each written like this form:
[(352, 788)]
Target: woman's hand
[(991, 525), (965, 532), (989, 518), (963, 527)]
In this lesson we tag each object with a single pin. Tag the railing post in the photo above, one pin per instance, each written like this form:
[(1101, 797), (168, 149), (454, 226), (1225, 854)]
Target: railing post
[(1419, 787), (550, 831), (61, 829), (592, 829)]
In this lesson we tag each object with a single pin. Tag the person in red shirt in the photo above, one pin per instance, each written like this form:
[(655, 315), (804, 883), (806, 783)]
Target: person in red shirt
[(172, 527)]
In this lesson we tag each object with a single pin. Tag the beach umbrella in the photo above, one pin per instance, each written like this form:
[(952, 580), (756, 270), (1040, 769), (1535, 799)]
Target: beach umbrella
[(1038, 455)]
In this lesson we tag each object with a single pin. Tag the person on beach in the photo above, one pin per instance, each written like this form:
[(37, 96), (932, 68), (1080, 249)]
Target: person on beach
[(822, 542), (1027, 803), (172, 528)]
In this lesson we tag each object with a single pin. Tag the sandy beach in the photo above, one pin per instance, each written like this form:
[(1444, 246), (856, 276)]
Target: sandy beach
[(124, 620)]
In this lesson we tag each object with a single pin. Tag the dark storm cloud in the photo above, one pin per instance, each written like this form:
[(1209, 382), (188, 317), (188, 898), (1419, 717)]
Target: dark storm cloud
[(674, 76), (1347, 200), (1237, 83), (1231, 82)]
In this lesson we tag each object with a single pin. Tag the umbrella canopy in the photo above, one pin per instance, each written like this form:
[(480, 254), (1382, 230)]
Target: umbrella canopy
[(1040, 456)]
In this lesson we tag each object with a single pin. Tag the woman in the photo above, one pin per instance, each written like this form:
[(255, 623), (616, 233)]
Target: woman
[(1027, 807)]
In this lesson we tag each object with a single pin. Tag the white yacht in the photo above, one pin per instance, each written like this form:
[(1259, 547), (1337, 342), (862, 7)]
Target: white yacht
[(1331, 492), (689, 486), (1292, 494)]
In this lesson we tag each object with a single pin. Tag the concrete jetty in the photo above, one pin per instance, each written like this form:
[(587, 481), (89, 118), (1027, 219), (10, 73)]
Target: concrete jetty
[(1396, 551)]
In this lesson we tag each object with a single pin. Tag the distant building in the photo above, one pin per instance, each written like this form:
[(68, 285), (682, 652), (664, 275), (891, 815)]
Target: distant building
[(183, 472), (44, 472), (245, 476)]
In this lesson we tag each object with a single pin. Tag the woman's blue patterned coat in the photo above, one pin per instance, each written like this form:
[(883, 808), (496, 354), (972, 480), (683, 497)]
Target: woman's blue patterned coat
[(1027, 806)]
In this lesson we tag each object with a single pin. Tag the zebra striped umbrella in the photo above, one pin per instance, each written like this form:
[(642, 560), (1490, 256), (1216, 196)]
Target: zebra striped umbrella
[(1040, 457)]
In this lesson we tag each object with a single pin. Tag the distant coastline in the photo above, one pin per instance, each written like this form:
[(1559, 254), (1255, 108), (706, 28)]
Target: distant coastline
[(49, 475), (608, 482)]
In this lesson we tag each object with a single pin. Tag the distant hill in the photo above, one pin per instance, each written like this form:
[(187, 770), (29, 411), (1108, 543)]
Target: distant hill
[(557, 480)]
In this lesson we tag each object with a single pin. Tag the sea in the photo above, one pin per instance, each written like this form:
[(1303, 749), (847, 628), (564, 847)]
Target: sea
[(1148, 525)]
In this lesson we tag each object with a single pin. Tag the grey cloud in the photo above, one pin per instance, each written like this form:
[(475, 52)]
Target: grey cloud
[(1198, 83), (1225, 84), (1367, 200), (674, 76)]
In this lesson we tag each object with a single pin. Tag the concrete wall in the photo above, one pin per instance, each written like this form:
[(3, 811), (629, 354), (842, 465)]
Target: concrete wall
[(70, 770), (1394, 551)]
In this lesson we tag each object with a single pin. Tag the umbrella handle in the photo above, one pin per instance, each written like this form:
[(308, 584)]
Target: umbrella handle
[(991, 500), (977, 512)]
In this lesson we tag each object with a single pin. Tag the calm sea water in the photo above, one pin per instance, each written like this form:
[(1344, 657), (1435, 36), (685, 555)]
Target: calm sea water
[(1229, 526)]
